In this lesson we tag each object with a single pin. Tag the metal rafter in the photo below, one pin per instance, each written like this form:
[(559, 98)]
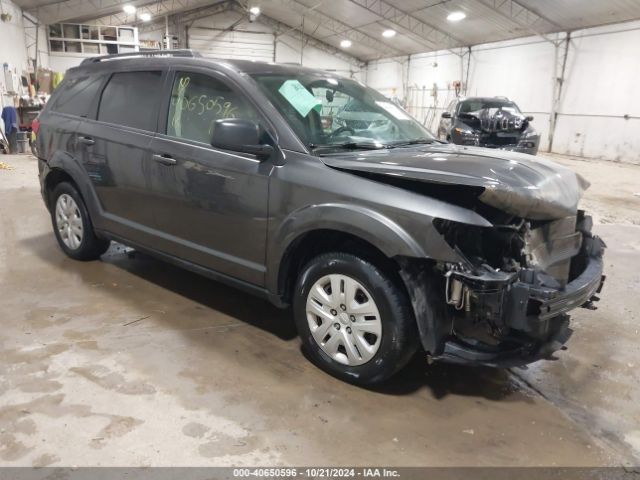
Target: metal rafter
[(154, 8), (408, 24), (31, 34), (343, 30), (561, 55), (184, 17), (281, 28), (169, 7), (70, 10), (522, 16)]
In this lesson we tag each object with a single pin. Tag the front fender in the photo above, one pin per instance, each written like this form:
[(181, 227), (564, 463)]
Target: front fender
[(377, 229)]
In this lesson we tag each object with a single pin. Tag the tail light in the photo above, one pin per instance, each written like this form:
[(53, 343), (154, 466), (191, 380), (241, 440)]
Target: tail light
[(35, 126)]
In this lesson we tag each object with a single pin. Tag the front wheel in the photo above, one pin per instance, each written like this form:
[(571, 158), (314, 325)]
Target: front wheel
[(355, 321)]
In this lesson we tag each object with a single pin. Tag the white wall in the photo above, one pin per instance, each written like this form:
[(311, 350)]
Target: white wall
[(255, 41), (288, 51), (387, 76), (602, 74), (421, 82), (521, 70), (12, 45), (602, 87), (251, 41)]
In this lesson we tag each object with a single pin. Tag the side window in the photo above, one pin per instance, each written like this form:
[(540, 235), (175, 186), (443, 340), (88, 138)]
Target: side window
[(77, 95), (197, 101), (131, 99), (452, 107)]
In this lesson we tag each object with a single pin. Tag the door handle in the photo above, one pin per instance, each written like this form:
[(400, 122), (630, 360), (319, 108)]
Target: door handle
[(164, 159), (87, 141)]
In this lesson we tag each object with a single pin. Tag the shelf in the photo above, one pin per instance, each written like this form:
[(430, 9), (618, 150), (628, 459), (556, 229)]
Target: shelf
[(92, 39)]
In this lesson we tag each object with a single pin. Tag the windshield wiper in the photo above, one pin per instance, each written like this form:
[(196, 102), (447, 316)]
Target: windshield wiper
[(405, 143), (349, 146)]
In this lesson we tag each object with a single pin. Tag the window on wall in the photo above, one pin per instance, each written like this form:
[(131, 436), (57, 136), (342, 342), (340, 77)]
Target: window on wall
[(76, 95), (131, 99), (197, 101)]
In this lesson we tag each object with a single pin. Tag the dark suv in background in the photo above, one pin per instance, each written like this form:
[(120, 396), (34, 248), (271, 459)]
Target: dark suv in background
[(490, 122), (382, 238)]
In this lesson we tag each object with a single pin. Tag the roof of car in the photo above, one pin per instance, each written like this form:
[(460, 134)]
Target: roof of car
[(165, 57), (484, 99)]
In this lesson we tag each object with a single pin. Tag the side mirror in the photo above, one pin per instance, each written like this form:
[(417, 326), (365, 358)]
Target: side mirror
[(239, 135), (446, 115), (529, 118)]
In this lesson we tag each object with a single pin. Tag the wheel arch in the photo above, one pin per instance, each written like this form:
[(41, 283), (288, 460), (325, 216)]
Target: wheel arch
[(64, 167), (333, 227), (54, 177)]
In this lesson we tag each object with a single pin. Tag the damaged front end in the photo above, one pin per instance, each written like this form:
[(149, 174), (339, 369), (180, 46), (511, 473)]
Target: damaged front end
[(506, 302), (496, 128), (500, 293)]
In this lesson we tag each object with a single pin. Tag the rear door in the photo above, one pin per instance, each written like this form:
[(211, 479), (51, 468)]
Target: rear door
[(210, 204), (116, 151), (74, 100)]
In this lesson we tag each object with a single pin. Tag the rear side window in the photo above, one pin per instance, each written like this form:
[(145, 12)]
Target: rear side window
[(131, 99), (197, 101), (77, 95)]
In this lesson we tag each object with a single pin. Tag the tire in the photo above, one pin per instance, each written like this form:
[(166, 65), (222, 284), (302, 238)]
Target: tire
[(382, 355), (77, 239)]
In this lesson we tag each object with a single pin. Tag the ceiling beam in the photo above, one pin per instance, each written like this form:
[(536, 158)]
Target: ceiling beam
[(45, 4), (282, 28), (436, 39), (343, 30), (523, 17), (157, 8), (71, 10), (279, 28), (186, 17)]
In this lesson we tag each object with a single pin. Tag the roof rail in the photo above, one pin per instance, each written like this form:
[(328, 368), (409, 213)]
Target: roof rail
[(149, 53)]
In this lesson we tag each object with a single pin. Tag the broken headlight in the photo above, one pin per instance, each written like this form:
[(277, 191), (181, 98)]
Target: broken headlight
[(468, 137), (529, 138)]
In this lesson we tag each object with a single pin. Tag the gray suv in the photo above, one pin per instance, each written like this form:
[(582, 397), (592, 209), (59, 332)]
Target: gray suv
[(383, 239)]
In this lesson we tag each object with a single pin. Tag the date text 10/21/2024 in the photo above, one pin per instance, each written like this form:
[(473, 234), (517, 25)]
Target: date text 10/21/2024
[(316, 472)]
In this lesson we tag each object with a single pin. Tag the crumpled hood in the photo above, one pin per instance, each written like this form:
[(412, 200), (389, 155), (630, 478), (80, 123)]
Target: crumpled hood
[(522, 185)]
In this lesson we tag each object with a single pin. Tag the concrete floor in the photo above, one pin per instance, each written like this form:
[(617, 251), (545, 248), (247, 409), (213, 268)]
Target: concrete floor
[(129, 361)]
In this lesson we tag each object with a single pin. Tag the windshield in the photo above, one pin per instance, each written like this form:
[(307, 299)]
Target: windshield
[(338, 113), (475, 104)]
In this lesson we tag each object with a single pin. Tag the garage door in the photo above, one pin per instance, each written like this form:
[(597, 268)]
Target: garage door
[(238, 45)]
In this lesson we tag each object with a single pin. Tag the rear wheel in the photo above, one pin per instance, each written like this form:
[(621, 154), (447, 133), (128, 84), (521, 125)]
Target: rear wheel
[(354, 320), (72, 225)]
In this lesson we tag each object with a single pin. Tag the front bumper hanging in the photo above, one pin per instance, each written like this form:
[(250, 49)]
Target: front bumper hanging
[(521, 303)]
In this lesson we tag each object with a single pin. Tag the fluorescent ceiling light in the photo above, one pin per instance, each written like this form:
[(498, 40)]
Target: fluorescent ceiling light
[(145, 17), (254, 10), (129, 9), (389, 33), (456, 16), (345, 43)]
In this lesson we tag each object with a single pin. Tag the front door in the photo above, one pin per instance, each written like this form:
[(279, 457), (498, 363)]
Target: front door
[(210, 205)]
